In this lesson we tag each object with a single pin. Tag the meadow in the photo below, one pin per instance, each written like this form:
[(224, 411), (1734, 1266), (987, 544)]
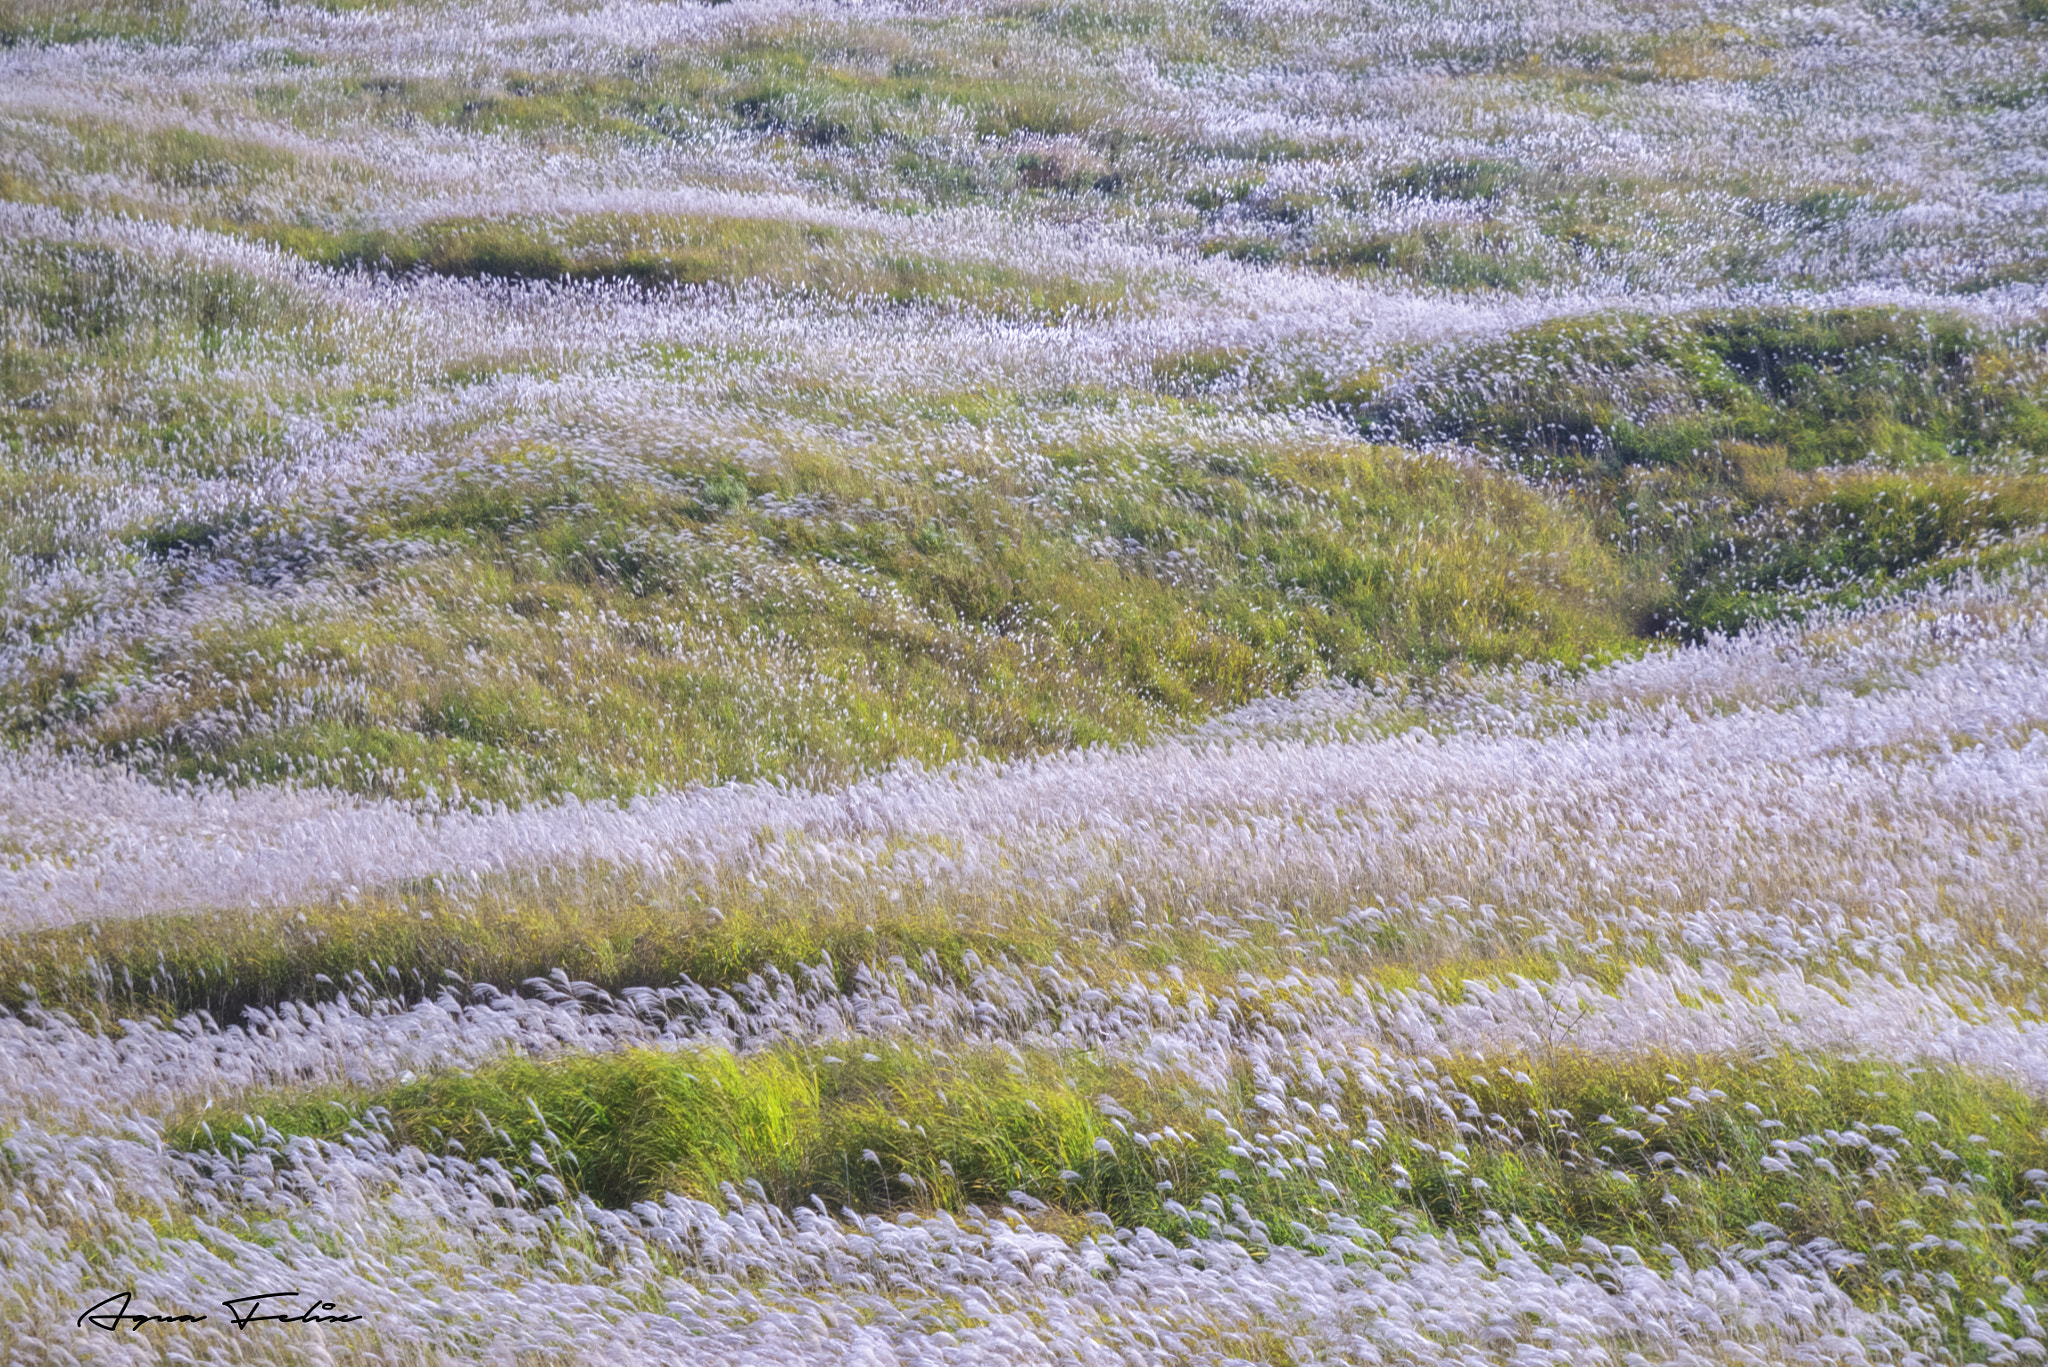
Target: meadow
[(1146, 681)]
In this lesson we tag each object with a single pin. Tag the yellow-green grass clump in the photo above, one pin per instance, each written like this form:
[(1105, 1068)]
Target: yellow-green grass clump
[(1759, 462), (659, 251), (601, 926), (1924, 1183)]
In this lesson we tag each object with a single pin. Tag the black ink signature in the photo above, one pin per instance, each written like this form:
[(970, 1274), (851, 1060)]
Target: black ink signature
[(113, 1320), (244, 1318), (242, 1312)]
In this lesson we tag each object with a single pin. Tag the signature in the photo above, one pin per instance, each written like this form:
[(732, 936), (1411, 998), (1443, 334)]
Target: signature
[(113, 1320), (243, 1311)]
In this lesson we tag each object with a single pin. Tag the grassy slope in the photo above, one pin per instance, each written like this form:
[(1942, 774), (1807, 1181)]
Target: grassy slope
[(536, 623), (1761, 461)]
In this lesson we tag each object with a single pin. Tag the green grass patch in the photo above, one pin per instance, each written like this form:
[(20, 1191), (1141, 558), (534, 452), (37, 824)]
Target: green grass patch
[(1436, 257), (139, 21), (1926, 1184), (604, 927), (1593, 396), (661, 251), (110, 304), (1758, 463), (1847, 538), (579, 632), (843, 86), (615, 928)]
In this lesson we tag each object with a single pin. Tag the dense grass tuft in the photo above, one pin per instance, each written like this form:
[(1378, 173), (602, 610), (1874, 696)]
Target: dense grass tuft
[(1882, 1167)]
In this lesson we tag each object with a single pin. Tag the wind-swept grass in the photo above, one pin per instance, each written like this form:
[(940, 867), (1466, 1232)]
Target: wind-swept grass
[(659, 252), (601, 928), (1764, 462), (537, 624), (1031, 683), (1593, 396), (1873, 1169), (36, 21)]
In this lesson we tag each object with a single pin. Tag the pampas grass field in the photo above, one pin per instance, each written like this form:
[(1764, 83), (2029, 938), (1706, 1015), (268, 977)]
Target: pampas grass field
[(1134, 681)]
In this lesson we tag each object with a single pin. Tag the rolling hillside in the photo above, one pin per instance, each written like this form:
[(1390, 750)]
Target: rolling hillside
[(1140, 681)]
